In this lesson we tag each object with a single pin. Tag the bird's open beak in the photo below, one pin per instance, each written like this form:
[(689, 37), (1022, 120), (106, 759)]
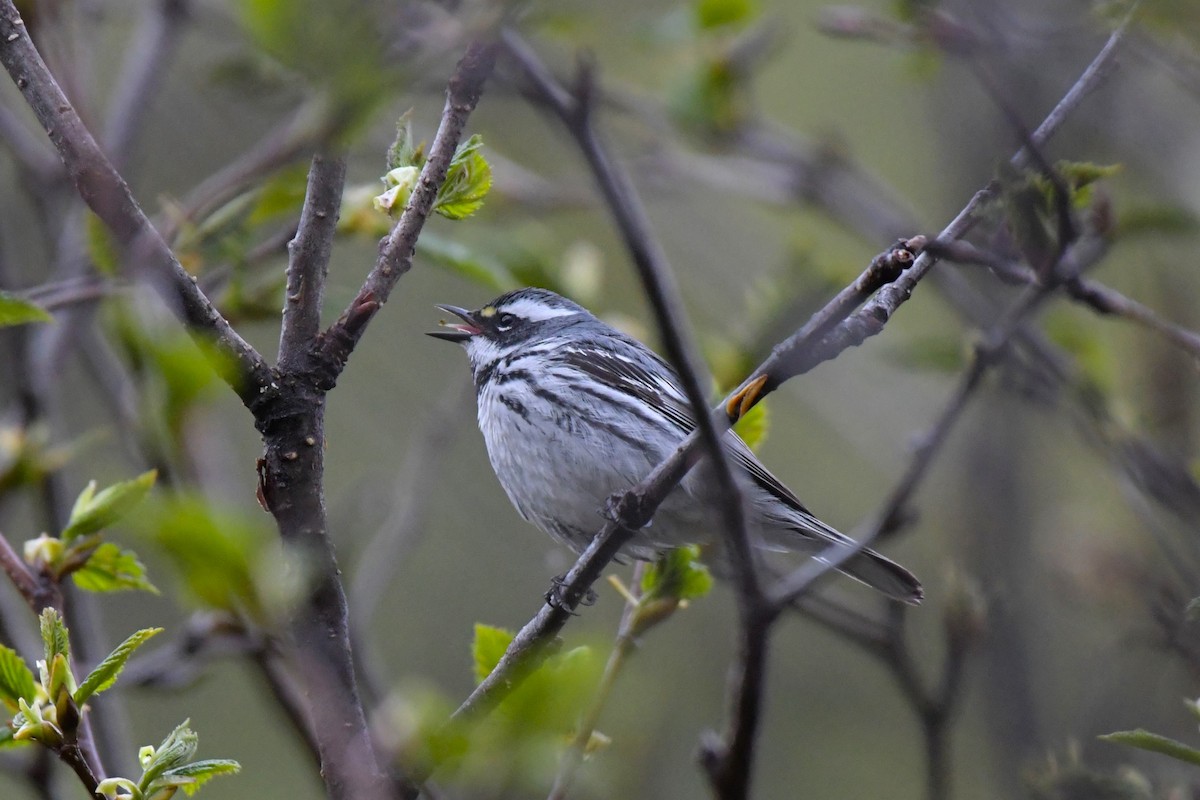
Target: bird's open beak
[(456, 331)]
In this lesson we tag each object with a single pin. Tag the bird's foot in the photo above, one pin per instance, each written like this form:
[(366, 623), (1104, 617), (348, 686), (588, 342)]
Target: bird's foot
[(626, 509), (556, 595)]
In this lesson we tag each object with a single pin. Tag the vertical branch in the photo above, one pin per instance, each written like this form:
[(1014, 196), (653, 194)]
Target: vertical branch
[(309, 255)]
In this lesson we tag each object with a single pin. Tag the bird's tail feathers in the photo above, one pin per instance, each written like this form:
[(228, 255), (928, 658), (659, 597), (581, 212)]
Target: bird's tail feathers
[(867, 566)]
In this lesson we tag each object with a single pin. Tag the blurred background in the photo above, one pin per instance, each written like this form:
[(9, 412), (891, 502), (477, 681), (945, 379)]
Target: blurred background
[(779, 146)]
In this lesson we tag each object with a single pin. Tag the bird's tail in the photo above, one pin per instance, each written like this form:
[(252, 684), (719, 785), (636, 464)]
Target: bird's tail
[(884, 575), (811, 535)]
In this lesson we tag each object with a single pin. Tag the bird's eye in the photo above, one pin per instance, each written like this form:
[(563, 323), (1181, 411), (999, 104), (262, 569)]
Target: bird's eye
[(505, 321)]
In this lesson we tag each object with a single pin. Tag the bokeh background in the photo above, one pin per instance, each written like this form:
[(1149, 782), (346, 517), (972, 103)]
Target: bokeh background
[(1069, 509)]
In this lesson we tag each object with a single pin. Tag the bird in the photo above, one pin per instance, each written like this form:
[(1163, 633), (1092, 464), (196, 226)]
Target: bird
[(573, 411)]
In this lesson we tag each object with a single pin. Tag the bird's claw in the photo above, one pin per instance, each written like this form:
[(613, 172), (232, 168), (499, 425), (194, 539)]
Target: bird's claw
[(555, 596)]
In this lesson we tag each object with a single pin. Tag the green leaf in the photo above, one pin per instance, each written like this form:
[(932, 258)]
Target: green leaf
[(106, 672), (6, 735), (282, 196), (1144, 740), (337, 45), (54, 635), (112, 569), (93, 512), (16, 680), (468, 180), (678, 573), (479, 266), (200, 772), (404, 152), (719, 13), (753, 425), (222, 556), (101, 247), (19, 311), (488, 648), (176, 750)]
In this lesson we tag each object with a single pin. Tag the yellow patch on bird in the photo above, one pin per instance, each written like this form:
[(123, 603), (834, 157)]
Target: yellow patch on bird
[(487, 311)]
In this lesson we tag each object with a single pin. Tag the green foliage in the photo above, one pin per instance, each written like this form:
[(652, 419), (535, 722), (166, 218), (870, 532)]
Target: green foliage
[(18, 311), (753, 426), (177, 373), (54, 635), (678, 573), (111, 568), (1144, 740), (405, 151), (487, 648), (476, 265), (281, 196), (720, 13), (1157, 220), (468, 176), (517, 746), (93, 564), (101, 247), (1028, 197), (712, 99), (26, 456), (168, 768), (94, 512), (225, 559), (106, 672), (337, 45), (1095, 357), (467, 181), (16, 680)]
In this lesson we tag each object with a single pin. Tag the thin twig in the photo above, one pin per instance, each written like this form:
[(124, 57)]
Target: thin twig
[(150, 47), (14, 566), (396, 251), (109, 197), (623, 647)]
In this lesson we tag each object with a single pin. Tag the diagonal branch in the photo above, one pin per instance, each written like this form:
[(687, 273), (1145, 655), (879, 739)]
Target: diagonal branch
[(106, 193), (333, 347), (796, 355)]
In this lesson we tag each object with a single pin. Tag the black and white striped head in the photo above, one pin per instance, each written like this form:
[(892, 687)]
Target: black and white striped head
[(508, 322)]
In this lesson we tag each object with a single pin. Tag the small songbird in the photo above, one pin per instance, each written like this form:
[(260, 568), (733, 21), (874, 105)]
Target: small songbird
[(574, 411)]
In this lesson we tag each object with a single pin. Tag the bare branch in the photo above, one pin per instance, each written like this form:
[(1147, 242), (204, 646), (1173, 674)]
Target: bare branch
[(17, 572), (150, 47), (309, 261), (103, 189)]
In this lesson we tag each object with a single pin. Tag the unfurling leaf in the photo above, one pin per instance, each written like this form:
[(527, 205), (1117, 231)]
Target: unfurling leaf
[(54, 635), (467, 181), (106, 672), (175, 750), (1145, 740), (93, 512), (405, 152)]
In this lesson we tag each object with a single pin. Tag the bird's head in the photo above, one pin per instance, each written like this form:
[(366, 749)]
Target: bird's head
[(506, 323)]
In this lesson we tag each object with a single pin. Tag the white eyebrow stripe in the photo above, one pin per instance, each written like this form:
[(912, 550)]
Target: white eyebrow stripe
[(535, 311)]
